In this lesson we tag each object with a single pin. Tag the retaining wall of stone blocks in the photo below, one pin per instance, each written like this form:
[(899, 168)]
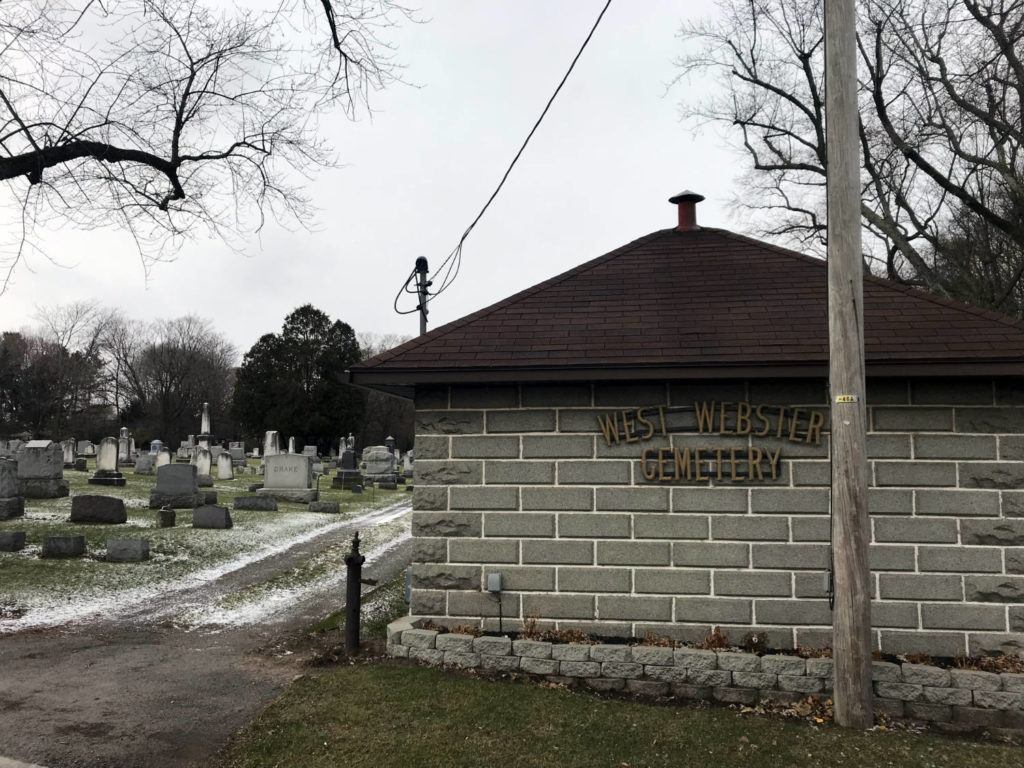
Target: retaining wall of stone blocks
[(915, 691), (521, 480)]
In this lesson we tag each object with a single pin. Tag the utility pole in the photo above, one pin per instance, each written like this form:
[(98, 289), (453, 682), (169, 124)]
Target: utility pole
[(851, 621), (421, 288)]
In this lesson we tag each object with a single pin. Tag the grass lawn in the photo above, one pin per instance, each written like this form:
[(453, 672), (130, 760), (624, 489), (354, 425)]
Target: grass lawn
[(395, 714), (37, 592)]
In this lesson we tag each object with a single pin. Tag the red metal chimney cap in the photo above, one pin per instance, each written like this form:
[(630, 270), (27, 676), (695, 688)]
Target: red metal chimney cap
[(687, 202)]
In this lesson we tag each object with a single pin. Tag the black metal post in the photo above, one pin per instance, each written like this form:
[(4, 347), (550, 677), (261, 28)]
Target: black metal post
[(353, 595)]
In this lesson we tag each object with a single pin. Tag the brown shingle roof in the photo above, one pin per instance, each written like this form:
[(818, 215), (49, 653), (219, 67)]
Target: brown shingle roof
[(700, 303)]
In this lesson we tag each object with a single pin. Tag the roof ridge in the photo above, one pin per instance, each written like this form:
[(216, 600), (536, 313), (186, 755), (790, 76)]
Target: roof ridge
[(910, 290), (437, 333)]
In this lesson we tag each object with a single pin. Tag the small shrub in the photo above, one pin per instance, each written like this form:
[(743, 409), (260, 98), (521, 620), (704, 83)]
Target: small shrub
[(915, 658), (755, 642), (1007, 662), (467, 629), (530, 630), (566, 636), (715, 639), (813, 653), (659, 640)]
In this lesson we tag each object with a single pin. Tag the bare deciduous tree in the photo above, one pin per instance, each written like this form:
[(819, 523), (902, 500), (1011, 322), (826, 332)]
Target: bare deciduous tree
[(941, 91), (175, 118)]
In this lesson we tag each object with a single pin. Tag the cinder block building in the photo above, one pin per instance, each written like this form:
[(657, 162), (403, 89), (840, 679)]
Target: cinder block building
[(641, 444)]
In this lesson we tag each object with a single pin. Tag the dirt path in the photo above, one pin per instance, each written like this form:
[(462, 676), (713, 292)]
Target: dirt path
[(141, 691)]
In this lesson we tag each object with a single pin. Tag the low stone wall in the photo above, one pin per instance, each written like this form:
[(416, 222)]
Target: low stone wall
[(917, 691)]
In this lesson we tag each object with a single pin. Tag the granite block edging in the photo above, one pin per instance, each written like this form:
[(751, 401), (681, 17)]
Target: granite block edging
[(906, 690)]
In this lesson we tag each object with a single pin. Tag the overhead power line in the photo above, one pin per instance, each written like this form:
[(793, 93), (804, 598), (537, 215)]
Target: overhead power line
[(449, 268)]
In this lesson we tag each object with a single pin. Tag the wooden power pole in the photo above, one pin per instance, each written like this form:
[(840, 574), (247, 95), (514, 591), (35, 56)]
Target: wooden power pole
[(851, 621)]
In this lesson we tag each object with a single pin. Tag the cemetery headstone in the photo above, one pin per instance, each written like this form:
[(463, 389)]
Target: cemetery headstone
[(63, 546), (86, 448), (310, 450), (132, 453), (68, 449), (271, 446), (12, 541), (291, 445), (144, 464), (389, 443), (208, 496), (348, 474), (288, 477), (165, 517), (225, 467), (211, 517), (106, 464), (255, 503), (203, 463), (407, 464), (124, 453), (80, 465), (215, 452), (327, 507), (90, 508), (155, 446), (127, 550), (175, 487), (237, 453), (12, 502), (184, 452), (163, 458), (255, 453), (380, 464), (41, 470), (204, 423)]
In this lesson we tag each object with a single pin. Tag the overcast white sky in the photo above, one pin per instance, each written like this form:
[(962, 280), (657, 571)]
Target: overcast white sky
[(596, 175)]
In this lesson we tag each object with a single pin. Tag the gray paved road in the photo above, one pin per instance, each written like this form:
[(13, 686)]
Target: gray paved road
[(140, 691)]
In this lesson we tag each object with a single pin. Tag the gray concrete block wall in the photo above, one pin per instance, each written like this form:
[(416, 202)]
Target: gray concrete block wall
[(969, 698), (520, 480)]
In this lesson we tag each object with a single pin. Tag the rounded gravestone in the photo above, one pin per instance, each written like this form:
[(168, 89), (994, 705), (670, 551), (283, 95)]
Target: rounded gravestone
[(203, 461), (63, 546), (89, 508), (329, 507), (127, 550), (12, 541), (175, 487), (225, 467), (12, 503), (106, 456), (211, 517), (256, 503)]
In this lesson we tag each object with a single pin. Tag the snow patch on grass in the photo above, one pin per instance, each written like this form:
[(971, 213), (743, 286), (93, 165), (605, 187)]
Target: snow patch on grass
[(84, 588)]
